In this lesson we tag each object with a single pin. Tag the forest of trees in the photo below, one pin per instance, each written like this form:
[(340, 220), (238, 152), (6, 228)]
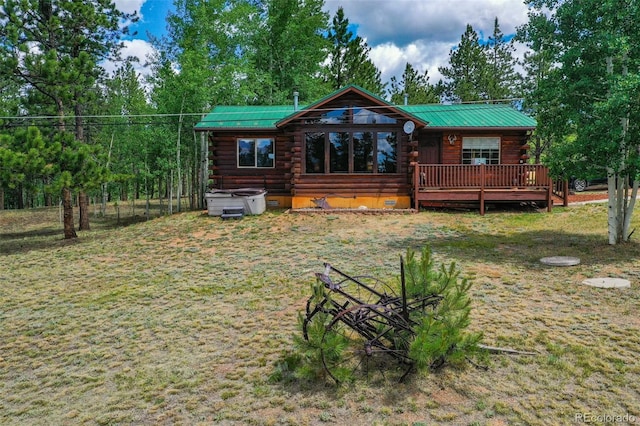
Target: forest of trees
[(72, 134)]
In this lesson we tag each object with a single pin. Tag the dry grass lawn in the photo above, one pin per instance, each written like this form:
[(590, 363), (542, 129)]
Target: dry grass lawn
[(182, 319)]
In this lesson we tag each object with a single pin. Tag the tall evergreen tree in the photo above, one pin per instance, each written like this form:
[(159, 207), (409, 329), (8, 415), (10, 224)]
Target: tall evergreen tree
[(415, 85), (503, 81), (467, 70), (349, 61), (10, 105), (538, 89), (25, 158), (54, 48)]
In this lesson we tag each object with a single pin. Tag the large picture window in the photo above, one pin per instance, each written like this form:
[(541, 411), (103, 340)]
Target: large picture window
[(339, 152), (387, 152), (314, 152), (256, 153), (351, 152), (481, 150), (363, 152)]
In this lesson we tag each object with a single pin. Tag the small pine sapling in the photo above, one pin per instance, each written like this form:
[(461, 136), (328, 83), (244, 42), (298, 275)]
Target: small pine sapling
[(440, 334)]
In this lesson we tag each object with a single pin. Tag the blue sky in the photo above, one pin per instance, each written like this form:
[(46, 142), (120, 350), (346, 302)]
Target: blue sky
[(154, 13), (421, 32)]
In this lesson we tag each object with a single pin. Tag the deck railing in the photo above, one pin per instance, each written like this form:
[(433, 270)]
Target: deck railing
[(461, 176)]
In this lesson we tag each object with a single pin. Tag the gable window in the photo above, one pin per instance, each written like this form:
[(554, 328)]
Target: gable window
[(256, 153), (350, 115), (481, 150), (351, 152)]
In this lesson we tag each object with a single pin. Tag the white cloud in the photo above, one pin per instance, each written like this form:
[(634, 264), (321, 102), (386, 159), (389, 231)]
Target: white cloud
[(136, 48), (423, 56), (423, 32), (407, 20), (129, 6)]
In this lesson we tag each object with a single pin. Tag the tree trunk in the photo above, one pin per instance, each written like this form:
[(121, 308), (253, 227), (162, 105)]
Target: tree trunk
[(48, 197), (69, 230), (204, 166), (19, 198), (170, 186), (103, 204), (83, 202), (178, 165), (628, 211)]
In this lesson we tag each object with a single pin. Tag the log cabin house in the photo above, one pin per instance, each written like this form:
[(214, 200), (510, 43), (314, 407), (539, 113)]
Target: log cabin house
[(354, 150)]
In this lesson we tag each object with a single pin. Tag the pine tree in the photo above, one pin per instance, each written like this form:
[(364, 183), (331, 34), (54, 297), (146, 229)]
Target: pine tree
[(54, 48), (503, 81), (349, 61), (440, 335), (415, 85), (538, 91), (467, 72)]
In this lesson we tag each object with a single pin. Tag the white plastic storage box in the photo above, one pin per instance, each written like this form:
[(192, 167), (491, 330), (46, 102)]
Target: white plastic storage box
[(252, 200)]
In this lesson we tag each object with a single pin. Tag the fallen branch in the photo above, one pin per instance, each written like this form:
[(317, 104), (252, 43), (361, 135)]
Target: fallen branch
[(495, 350)]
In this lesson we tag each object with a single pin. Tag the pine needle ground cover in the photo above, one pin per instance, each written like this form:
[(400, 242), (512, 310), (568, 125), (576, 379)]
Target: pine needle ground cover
[(184, 319)]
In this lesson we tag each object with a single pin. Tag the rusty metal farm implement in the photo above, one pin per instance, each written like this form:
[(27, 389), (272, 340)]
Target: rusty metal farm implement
[(366, 327)]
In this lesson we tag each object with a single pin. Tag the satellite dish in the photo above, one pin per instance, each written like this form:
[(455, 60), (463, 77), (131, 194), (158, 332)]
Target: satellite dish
[(409, 126)]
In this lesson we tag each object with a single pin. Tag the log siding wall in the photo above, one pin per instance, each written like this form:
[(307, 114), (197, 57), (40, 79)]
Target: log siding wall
[(226, 174)]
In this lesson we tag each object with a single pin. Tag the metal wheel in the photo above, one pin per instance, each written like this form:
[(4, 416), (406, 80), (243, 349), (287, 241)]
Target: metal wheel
[(332, 302), (579, 185), (368, 342)]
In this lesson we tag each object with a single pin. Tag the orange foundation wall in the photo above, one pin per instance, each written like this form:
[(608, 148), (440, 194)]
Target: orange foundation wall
[(335, 202), (278, 201)]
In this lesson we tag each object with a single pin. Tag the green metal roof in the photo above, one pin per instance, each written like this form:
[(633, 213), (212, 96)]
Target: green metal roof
[(436, 115), (245, 117), (470, 115)]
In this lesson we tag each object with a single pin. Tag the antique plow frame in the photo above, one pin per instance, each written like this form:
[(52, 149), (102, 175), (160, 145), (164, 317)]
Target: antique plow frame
[(368, 328)]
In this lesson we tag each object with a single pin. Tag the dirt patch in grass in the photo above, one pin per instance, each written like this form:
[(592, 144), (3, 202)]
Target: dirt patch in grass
[(183, 319), (586, 196)]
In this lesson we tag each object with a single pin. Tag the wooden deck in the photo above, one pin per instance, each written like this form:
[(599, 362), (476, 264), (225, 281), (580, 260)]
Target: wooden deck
[(441, 184)]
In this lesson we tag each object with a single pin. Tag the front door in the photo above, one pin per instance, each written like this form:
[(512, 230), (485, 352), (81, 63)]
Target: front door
[(429, 148)]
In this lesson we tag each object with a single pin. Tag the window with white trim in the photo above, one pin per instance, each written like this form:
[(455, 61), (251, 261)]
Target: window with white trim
[(256, 153), (480, 150)]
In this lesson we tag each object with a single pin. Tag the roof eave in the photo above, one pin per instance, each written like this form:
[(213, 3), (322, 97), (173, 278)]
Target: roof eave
[(479, 128), (230, 129)]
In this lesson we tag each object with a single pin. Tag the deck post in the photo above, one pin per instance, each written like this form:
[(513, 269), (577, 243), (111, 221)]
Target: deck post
[(416, 185), (482, 178), (565, 193), (550, 196)]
